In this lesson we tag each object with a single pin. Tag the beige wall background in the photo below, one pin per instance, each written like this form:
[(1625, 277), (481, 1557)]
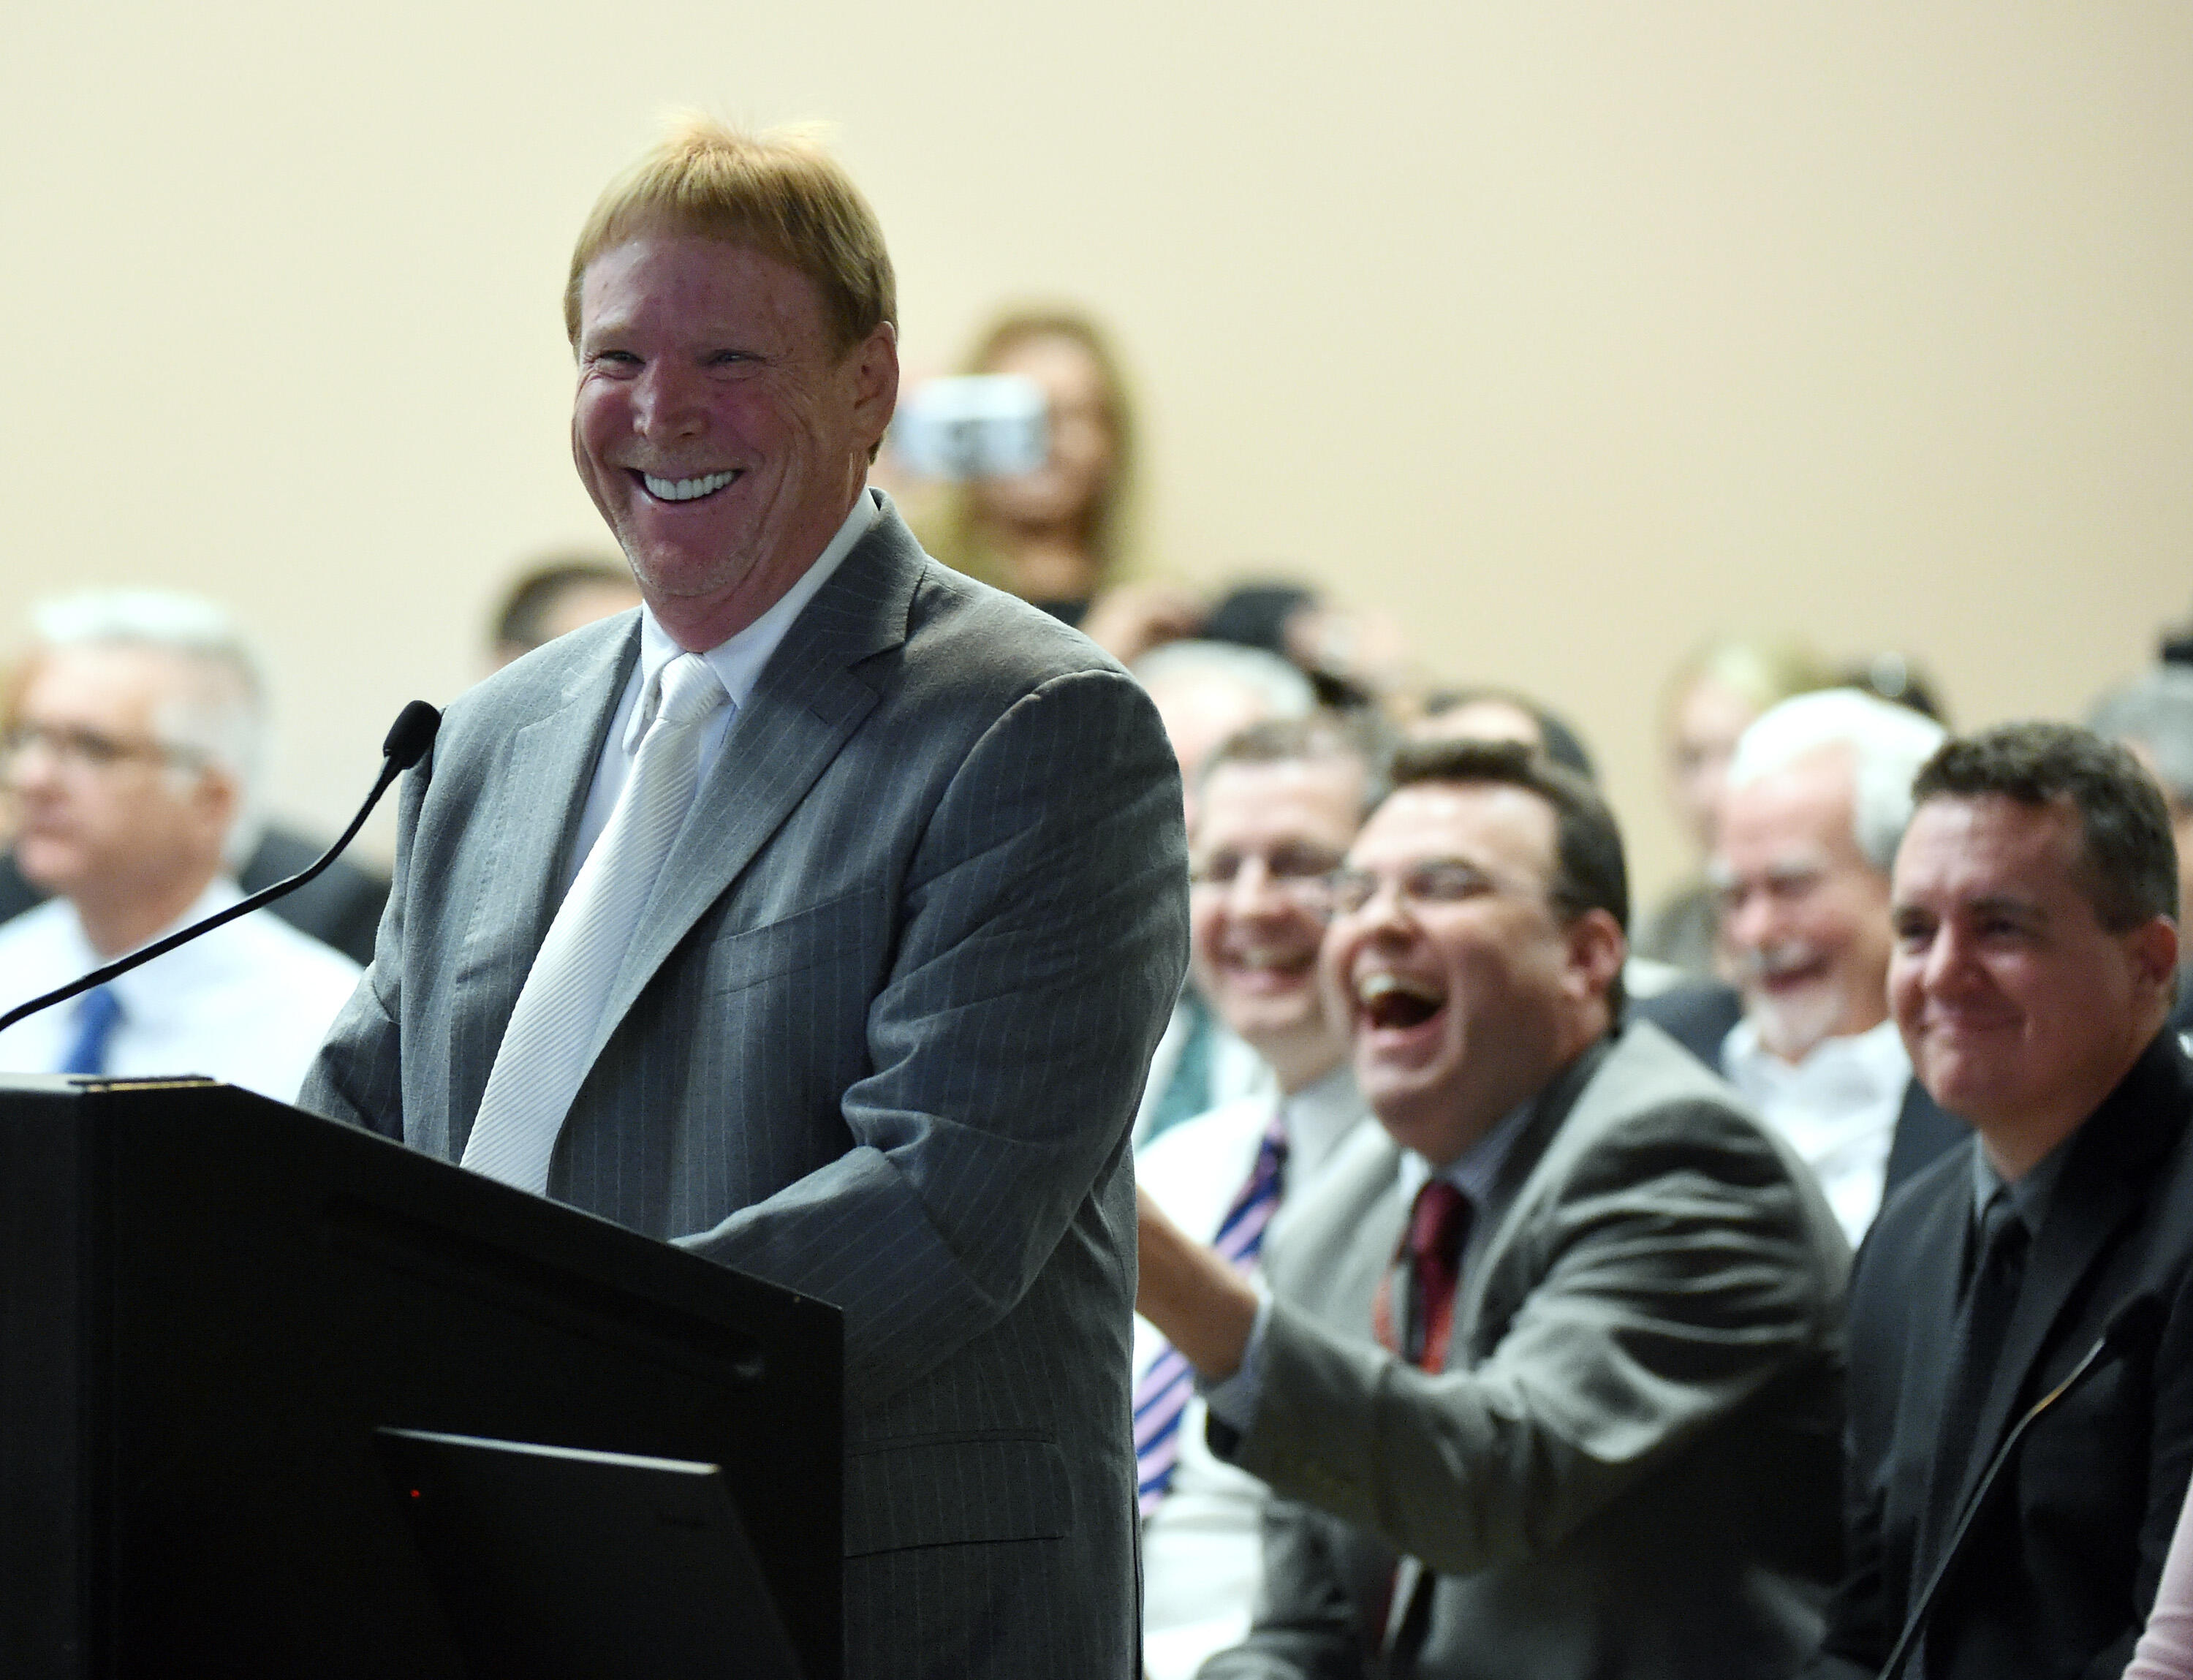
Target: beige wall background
[(1569, 332)]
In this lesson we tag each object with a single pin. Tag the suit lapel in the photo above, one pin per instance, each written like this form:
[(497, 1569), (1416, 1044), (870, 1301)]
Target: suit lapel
[(2100, 1193), (1517, 1189), (806, 704), (2073, 1240), (1922, 1132), (1927, 1266)]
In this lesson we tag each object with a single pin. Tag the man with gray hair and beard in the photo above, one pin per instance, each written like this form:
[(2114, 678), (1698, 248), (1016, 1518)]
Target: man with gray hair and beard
[(133, 757), (1817, 795)]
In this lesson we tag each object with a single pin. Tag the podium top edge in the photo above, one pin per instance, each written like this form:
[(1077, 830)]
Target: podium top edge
[(71, 1085)]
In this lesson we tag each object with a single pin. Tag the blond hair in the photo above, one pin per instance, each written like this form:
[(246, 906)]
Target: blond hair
[(779, 192)]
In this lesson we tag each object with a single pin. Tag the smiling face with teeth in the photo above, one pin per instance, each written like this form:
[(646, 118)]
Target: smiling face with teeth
[(1803, 914), (719, 426), (1465, 988), (2020, 1009), (1266, 834)]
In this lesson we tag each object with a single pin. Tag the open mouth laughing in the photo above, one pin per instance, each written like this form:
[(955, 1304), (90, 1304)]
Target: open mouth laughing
[(1391, 1002)]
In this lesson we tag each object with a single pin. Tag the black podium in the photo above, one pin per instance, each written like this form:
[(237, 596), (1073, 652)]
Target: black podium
[(210, 1303)]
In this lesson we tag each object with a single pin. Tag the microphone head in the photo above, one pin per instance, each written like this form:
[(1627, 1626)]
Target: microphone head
[(411, 734)]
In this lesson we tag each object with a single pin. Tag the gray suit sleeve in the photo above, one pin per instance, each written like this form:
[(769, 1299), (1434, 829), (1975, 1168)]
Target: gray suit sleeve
[(1675, 1277), (1043, 939)]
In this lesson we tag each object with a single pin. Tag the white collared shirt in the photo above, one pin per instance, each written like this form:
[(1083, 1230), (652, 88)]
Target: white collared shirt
[(737, 663), (248, 1003), (1837, 1109), (1202, 1550)]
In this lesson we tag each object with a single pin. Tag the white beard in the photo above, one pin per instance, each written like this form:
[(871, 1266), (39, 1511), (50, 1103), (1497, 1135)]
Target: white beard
[(1791, 1023)]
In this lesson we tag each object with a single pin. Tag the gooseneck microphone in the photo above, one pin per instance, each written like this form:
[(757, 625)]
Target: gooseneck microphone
[(2134, 1322), (408, 738)]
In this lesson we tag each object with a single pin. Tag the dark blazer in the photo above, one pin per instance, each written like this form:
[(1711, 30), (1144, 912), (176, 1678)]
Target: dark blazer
[(2056, 1574), (1699, 1016), (341, 908), (1630, 1467), (878, 1036)]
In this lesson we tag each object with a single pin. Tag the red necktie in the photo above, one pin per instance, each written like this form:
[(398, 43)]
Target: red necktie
[(1438, 1226)]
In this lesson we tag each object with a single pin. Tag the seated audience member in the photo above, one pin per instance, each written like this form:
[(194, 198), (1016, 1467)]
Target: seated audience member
[(340, 907), (1712, 698), (1205, 692), (1546, 1383), (2154, 717), (1818, 794), (1279, 803), (131, 754), (555, 597), (2021, 1392)]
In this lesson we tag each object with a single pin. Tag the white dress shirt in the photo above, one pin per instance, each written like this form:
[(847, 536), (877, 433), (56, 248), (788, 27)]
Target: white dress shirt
[(1202, 1548), (248, 1003), (1236, 1070), (737, 663), (1837, 1109)]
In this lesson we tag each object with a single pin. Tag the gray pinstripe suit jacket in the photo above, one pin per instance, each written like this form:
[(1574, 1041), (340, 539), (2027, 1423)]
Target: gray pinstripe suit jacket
[(878, 1037)]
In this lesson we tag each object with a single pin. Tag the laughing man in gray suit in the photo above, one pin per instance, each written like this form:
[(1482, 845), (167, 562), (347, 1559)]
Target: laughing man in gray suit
[(875, 1020), (1601, 1438)]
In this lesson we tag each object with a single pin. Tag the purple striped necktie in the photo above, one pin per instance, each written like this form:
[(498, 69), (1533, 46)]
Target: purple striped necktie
[(1162, 1395)]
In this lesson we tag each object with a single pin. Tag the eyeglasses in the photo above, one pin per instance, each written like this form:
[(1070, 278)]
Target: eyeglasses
[(1300, 874), (1422, 886), (88, 750)]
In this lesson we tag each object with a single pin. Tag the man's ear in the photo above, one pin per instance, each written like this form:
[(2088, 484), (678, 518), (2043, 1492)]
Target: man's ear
[(873, 364), (2154, 948), (1597, 948), (215, 802)]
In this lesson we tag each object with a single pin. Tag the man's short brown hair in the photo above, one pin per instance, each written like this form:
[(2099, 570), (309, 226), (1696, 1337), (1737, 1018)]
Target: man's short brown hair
[(778, 193), (2127, 866)]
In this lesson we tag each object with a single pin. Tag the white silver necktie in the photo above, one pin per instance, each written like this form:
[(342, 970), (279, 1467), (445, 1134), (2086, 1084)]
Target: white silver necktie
[(546, 1048)]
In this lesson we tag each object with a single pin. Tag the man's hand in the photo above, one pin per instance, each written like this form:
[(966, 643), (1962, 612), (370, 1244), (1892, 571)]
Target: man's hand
[(1199, 1301)]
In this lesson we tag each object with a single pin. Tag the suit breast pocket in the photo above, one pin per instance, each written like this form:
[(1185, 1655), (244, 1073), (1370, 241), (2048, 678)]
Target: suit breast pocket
[(850, 932)]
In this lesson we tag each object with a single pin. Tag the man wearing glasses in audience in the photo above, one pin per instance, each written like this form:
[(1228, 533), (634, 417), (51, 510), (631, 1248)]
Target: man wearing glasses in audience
[(1547, 1380), (130, 759), (1278, 804)]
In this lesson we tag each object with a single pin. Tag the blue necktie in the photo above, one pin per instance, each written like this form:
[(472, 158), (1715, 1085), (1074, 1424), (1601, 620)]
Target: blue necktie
[(1163, 1394), (95, 1019)]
